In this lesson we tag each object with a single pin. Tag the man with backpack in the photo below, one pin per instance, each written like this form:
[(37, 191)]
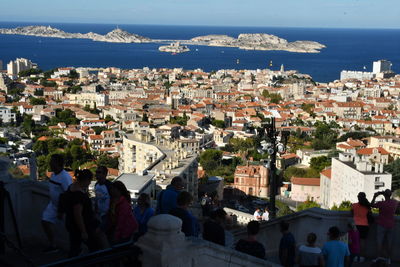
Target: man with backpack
[(60, 180)]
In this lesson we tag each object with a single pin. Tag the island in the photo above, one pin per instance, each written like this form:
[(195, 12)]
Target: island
[(247, 41), (174, 48)]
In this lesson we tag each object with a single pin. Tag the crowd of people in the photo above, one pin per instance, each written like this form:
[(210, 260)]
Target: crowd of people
[(105, 220), (110, 219)]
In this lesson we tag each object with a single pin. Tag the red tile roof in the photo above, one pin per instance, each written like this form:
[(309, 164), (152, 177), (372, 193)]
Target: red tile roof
[(305, 181)]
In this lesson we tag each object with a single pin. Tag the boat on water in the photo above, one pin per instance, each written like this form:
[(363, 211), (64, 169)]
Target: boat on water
[(174, 48)]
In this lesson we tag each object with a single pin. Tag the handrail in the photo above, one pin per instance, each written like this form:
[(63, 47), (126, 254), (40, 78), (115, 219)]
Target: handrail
[(106, 256)]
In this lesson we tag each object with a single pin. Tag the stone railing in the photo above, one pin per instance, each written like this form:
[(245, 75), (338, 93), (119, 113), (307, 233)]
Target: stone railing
[(29, 199), (241, 218), (165, 245), (318, 221)]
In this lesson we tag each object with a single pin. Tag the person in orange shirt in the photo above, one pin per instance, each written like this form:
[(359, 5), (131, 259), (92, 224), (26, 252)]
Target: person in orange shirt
[(360, 212)]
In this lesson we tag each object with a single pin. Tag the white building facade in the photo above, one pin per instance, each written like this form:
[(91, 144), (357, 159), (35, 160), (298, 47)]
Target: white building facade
[(350, 176)]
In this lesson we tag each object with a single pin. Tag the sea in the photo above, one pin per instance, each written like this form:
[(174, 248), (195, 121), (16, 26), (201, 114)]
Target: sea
[(347, 49)]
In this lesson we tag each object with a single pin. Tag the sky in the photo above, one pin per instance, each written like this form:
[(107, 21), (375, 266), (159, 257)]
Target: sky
[(281, 13)]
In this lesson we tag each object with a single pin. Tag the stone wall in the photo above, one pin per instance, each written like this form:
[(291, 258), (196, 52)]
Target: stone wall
[(166, 245), (318, 221)]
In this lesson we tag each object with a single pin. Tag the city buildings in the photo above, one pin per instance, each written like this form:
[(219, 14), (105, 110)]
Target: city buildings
[(18, 65), (351, 174), (252, 180)]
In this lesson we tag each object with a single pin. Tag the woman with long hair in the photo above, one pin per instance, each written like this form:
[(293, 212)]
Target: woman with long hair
[(143, 212), (361, 212), (123, 223), (80, 219)]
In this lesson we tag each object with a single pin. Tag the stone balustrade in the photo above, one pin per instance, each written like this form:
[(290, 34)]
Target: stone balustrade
[(318, 221), (166, 245)]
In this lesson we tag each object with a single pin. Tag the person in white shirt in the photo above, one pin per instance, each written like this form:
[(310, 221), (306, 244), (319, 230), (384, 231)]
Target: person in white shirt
[(102, 191), (59, 182), (257, 215), (265, 215)]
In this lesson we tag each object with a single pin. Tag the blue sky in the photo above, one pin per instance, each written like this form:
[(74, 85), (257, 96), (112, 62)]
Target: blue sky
[(282, 13)]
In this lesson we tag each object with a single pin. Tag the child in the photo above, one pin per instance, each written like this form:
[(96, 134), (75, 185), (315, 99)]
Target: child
[(354, 243), (310, 255)]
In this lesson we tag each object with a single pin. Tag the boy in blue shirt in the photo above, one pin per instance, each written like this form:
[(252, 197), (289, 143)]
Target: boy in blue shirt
[(336, 253)]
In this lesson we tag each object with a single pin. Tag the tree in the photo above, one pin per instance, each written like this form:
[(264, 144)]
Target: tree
[(299, 172), (109, 162), (37, 101), (354, 135), (40, 148), (210, 159), (29, 72), (394, 169), (74, 89), (38, 92), (109, 118), (307, 205), (344, 206), (320, 163), (218, 123), (28, 124)]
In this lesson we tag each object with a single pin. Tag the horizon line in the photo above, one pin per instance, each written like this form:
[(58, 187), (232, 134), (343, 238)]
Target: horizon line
[(199, 25)]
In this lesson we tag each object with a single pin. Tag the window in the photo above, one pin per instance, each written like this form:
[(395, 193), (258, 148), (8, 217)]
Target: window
[(250, 190), (377, 187), (377, 179)]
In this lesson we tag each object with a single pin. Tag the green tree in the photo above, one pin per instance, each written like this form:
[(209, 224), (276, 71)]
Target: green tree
[(99, 129), (307, 205), (344, 206), (210, 159), (394, 169), (109, 118), (109, 162), (38, 92), (218, 123), (37, 101), (40, 148), (29, 72), (28, 124), (320, 163)]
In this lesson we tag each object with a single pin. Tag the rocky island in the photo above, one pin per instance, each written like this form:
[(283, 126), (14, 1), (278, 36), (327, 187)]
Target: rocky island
[(115, 36), (259, 41), (174, 48), (247, 41)]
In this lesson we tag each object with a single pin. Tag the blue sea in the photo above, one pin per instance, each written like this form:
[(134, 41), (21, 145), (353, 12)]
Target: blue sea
[(347, 49)]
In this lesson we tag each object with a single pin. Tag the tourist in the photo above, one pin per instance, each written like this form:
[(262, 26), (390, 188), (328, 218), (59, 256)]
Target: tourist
[(205, 205), (287, 246), (361, 213), (60, 180), (213, 228), (354, 244), (265, 215), (122, 221), (310, 255), (385, 223), (190, 225), (336, 253), (257, 215), (166, 200), (80, 220), (143, 212), (250, 245), (102, 195)]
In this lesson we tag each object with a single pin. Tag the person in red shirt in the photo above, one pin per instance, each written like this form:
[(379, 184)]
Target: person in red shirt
[(123, 223), (360, 212), (385, 222)]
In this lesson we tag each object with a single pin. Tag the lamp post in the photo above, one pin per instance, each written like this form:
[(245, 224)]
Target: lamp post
[(272, 147)]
